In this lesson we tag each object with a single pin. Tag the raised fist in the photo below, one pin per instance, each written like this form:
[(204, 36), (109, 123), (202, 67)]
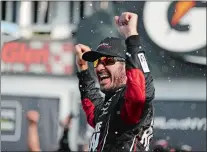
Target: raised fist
[(33, 116), (127, 24), (66, 123), (80, 49)]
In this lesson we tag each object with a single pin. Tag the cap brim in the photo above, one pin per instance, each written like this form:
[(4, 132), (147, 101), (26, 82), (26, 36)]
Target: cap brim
[(91, 56)]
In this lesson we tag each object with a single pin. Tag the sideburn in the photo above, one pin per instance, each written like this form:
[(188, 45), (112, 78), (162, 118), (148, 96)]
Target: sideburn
[(120, 77)]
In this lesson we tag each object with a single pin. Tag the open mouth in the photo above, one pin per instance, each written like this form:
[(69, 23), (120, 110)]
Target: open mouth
[(103, 76)]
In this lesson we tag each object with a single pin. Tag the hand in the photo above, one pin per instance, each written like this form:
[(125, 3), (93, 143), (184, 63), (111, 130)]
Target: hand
[(80, 49), (33, 116), (66, 123), (127, 24)]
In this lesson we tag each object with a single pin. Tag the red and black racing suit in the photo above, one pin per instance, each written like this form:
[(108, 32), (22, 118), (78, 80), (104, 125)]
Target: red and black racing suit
[(123, 119)]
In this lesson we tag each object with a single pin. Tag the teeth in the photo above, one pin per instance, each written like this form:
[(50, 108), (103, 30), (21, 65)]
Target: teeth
[(103, 76)]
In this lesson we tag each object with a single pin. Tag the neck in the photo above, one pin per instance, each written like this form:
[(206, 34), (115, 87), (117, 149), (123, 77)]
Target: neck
[(108, 94), (111, 92)]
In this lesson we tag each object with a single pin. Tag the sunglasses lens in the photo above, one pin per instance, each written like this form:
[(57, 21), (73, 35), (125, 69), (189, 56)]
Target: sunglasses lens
[(105, 61), (95, 63), (109, 61)]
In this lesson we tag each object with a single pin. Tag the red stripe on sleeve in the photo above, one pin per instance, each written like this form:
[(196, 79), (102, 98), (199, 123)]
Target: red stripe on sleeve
[(89, 109), (134, 97)]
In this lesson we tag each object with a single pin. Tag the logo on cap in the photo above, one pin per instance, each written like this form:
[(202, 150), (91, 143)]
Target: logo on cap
[(104, 45)]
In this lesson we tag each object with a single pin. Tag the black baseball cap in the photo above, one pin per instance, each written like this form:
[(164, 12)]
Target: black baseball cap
[(110, 46)]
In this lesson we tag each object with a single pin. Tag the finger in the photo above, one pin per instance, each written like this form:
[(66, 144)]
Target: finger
[(132, 15), (122, 20), (78, 50), (32, 112), (128, 13), (124, 16), (127, 17), (84, 48), (116, 19)]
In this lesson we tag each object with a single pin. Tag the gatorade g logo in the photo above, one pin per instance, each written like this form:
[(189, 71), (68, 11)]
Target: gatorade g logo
[(177, 27)]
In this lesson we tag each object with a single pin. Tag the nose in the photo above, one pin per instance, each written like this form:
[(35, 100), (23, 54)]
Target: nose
[(100, 67)]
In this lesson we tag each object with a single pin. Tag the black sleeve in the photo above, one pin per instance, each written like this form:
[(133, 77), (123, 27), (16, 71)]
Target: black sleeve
[(87, 87), (136, 59), (139, 86), (63, 144), (91, 98)]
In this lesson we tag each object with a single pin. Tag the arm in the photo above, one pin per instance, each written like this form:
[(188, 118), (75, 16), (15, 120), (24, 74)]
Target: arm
[(63, 143), (33, 137), (90, 96), (140, 88), (66, 125)]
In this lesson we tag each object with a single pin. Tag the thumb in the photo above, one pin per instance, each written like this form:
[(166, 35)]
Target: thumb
[(116, 19), (84, 48), (78, 50)]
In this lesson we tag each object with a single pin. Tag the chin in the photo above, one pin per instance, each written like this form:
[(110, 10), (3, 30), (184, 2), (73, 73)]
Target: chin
[(111, 88), (107, 89)]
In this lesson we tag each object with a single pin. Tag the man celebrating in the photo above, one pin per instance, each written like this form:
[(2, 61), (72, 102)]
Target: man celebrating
[(123, 118)]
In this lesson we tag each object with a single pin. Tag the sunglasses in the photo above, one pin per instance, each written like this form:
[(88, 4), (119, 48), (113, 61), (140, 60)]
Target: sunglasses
[(107, 61)]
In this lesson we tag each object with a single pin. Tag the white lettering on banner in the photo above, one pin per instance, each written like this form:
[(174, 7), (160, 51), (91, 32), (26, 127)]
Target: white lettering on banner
[(8, 114), (11, 120), (38, 57), (7, 120), (7, 126), (180, 124), (162, 34), (95, 137)]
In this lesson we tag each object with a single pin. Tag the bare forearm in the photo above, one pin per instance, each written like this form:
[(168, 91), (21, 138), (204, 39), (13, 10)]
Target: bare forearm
[(33, 138)]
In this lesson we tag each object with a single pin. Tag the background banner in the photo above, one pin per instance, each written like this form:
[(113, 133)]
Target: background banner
[(38, 57), (181, 122), (14, 125)]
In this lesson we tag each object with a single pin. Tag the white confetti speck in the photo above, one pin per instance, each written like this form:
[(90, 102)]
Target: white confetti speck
[(128, 54)]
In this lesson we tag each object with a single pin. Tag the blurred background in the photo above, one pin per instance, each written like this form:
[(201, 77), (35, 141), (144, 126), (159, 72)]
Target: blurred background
[(38, 70)]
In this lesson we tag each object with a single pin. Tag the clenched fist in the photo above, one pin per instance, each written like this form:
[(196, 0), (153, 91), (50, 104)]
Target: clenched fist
[(80, 49), (127, 24), (33, 116)]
